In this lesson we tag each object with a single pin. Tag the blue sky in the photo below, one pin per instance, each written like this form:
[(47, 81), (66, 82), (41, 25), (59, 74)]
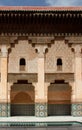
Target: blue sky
[(40, 2)]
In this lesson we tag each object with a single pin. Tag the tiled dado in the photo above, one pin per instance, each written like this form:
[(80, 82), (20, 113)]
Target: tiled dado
[(4, 110), (76, 110), (41, 109)]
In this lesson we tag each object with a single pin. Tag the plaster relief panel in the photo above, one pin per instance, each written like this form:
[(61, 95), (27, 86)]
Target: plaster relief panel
[(24, 50), (59, 50)]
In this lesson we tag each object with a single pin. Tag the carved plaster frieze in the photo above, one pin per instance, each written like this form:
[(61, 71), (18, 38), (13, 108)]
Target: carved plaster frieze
[(59, 76), (15, 77), (41, 40), (74, 39), (12, 39), (4, 40)]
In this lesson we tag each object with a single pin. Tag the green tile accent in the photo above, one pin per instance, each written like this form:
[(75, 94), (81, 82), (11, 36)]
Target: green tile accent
[(76, 110), (41, 109), (4, 110)]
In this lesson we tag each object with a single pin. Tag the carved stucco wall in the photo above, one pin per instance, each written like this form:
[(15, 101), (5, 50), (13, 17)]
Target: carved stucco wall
[(22, 50), (59, 50)]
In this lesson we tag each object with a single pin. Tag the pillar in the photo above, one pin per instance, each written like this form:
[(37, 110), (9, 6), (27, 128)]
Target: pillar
[(40, 92), (77, 89), (3, 84)]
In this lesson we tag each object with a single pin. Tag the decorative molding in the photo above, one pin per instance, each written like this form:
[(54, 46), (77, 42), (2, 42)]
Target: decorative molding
[(33, 34), (13, 77), (41, 40), (74, 39), (59, 76), (6, 40)]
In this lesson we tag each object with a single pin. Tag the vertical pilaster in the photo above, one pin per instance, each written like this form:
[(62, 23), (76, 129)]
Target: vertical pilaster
[(77, 104), (3, 84), (41, 43), (41, 98)]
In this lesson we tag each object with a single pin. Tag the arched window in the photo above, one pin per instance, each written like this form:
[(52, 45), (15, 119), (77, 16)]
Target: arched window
[(22, 64), (59, 64)]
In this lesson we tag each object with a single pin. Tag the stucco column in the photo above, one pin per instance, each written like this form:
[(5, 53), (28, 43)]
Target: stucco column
[(41, 98), (77, 103), (3, 84)]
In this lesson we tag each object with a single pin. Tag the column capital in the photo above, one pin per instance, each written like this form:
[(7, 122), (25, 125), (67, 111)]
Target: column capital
[(4, 50), (4, 45), (41, 50), (77, 50)]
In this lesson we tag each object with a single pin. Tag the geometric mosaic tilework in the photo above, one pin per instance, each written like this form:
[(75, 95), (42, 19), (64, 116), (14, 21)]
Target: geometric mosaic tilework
[(8, 110), (76, 110), (41, 109), (4, 110)]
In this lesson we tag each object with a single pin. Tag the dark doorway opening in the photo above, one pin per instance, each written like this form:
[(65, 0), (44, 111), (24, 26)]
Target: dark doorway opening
[(22, 99), (59, 99)]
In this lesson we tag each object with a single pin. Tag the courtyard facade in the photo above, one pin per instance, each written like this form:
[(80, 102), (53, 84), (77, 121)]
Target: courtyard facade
[(40, 61)]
